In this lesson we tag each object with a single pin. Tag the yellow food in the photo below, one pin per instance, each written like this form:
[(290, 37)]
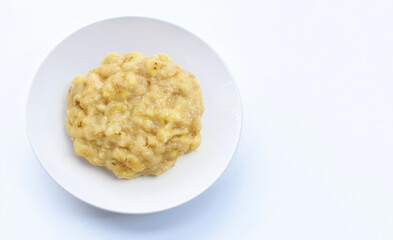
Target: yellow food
[(135, 114)]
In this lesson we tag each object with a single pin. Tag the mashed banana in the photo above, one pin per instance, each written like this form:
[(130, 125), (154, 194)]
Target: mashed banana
[(135, 115)]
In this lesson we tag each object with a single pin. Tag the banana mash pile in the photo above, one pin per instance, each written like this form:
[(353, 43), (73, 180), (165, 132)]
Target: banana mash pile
[(135, 114)]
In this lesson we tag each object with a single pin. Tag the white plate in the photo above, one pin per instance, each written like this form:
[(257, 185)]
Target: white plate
[(84, 50)]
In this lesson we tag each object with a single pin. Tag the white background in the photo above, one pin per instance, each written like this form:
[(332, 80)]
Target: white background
[(315, 160)]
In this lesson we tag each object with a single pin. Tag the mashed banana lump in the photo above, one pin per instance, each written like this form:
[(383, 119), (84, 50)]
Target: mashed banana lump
[(135, 114)]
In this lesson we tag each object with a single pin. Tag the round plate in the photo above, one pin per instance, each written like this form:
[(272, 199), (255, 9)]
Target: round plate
[(84, 50)]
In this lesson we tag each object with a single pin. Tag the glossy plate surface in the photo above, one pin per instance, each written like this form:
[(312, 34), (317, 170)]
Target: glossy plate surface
[(84, 50)]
